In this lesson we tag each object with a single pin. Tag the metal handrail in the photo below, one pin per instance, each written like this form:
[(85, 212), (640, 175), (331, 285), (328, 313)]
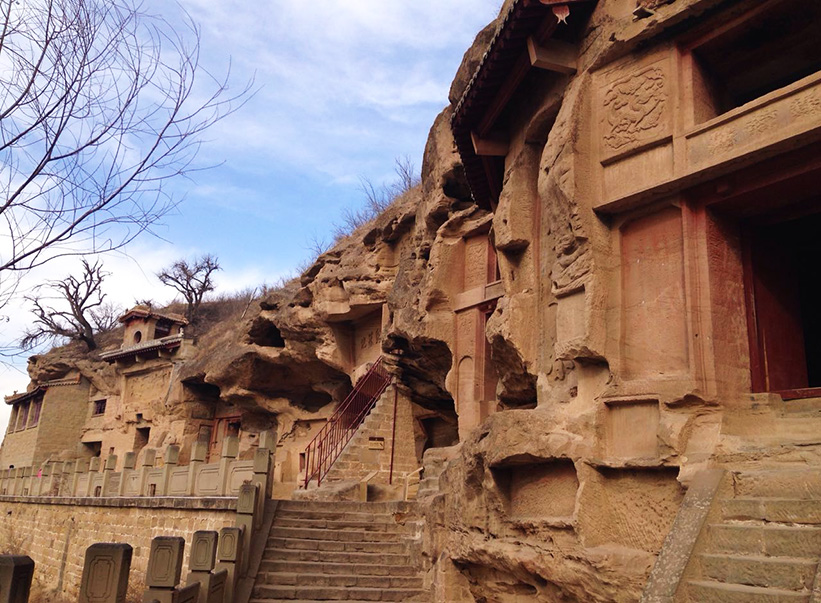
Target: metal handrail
[(328, 444)]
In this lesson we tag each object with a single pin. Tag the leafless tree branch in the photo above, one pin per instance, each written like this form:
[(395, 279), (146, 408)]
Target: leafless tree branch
[(192, 281), (100, 105), (79, 312)]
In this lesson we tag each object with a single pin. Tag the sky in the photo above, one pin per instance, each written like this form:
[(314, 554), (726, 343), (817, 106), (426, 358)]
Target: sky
[(342, 89)]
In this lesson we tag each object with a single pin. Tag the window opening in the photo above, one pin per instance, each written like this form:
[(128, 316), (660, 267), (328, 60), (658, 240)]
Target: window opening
[(785, 338), (24, 416), (141, 438), (35, 413), (771, 49), (99, 408)]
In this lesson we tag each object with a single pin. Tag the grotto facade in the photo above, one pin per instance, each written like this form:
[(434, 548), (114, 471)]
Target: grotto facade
[(598, 302)]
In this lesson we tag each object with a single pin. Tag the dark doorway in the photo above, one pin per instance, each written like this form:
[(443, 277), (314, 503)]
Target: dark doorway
[(783, 289)]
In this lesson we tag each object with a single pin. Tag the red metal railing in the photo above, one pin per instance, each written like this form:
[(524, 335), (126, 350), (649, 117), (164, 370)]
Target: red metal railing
[(328, 444)]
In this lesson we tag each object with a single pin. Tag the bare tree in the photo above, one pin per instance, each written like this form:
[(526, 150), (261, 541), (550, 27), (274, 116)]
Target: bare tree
[(100, 104), (87, 312), (193, 281), (377, 198)]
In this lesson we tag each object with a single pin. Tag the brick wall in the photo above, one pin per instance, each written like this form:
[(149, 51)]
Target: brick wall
[(57, 532)]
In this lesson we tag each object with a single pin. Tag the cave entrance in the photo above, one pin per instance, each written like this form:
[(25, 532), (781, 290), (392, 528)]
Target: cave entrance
[(224, 427), (782, 289)]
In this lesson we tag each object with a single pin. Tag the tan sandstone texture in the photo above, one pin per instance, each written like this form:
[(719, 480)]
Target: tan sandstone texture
[(591, 298)]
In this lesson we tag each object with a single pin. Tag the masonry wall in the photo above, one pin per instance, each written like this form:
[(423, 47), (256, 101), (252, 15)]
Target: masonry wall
[(61, 423), (56, 534), (18, 448)]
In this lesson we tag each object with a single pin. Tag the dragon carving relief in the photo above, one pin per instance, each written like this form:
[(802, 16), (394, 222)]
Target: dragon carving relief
[(634, 109)]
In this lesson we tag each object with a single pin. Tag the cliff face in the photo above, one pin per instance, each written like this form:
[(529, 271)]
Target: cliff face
[(561, 344)]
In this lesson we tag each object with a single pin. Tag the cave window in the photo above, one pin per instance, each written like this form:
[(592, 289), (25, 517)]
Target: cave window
[(232, 429), (36, 406), (99, 408), (141, 439), (93, 448), (765, 50), (162, 329), (138, 336), (23, 416)]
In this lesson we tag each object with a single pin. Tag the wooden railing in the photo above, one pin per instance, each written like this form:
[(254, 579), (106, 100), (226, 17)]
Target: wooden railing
[(328, 444)]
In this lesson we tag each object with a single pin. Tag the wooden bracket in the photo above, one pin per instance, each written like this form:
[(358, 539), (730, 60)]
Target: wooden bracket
[(489, 147), (552, 56)]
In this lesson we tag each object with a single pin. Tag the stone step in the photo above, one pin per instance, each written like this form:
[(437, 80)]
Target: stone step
[(380, 519), (342, 535), (773, 541), (333, 524), (783, 510), (266, 600), (359, 569), (320, 556), (787, 573), (336, 545), (797, 483), (369, 508), (352, 580), (335, 593), (718, 592)]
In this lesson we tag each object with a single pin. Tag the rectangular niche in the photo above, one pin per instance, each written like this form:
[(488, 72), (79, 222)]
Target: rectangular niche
[(631, 429), (539, 490)]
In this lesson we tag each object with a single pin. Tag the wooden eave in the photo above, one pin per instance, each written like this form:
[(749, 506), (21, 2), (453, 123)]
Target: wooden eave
[(37, 391), (500, 73), (156, 345)]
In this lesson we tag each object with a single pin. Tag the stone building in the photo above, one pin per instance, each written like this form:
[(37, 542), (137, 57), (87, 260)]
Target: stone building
[(46, 422)]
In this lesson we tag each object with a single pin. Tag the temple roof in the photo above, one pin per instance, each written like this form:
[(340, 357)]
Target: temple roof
[(502, 69), (146, 312)]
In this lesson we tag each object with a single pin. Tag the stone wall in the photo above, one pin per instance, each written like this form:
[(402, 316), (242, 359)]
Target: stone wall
[(57, 532)]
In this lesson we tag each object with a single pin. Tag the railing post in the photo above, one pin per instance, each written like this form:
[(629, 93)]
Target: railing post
[(108, 471), (149, 458), (171, 458), (230, 557), (38, 481), (201, 561), (16, 573), (129, 463), (246, 508), (262, 466), (198, 453), (105, 573), (65, 479), (230, 450), (164, 570), (93, 470), (80, 467)]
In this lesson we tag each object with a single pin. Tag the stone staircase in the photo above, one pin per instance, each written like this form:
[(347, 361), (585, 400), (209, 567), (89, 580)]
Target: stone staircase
[(761, 542), (341, 551), (434, 461), (363, 454)]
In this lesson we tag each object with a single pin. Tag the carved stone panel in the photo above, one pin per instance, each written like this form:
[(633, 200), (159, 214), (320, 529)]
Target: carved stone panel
[(105, 573), (203, 551), (654, 323), (635, 107), (165, 562)]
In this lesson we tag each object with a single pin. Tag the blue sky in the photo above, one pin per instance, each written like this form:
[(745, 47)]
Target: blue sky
[(343, 88)]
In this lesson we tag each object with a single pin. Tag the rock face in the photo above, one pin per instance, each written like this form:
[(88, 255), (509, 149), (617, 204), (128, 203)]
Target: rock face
[(563, 301)]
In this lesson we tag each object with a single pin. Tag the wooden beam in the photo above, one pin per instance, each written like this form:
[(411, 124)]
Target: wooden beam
[(489, 147), (552, 56)]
